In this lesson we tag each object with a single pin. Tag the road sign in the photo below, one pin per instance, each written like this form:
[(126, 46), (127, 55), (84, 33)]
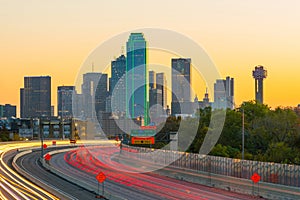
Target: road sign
[(140, 132), (101, 177), (255, 178), (142, 140), (45, 146), (148, 127), (47, 157)]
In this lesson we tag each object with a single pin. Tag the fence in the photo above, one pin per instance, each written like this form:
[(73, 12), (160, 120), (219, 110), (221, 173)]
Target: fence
[(284, 174)]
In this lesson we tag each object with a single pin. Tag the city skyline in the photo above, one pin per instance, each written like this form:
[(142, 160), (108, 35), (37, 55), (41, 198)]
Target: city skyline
[(244, 39)]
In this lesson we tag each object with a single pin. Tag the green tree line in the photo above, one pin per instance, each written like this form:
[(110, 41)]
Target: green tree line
[(271, 135)]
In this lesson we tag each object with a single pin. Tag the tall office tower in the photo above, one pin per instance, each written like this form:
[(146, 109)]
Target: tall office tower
[(181, 86), (101, 94), (155, 102), (161, 83), (136, 77), (224, 93), (117, 102), (78, 105), (8, 110), (259, 74), (22, 106), (94, 91), (152, 80), (36, 96), (65, 101)]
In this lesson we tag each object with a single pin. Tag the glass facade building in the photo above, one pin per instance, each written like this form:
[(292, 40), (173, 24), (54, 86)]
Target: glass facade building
[(137, 77)]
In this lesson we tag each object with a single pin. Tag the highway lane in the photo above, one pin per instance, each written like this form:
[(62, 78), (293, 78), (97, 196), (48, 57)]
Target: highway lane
[(14, 186), (150, 185), (31, 164), (115, 188)]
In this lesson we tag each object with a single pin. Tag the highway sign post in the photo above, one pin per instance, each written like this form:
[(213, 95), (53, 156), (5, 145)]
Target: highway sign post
[(100, 178)]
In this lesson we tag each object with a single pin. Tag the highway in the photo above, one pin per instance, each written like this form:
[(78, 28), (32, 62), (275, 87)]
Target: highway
[(14, 186), (30, 163), (82, 163)]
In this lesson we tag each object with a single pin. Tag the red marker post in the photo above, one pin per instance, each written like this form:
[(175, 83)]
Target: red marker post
[(255, 178), (47, 157), (100, 178)]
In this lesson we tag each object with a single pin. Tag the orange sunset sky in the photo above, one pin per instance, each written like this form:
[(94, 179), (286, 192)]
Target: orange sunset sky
[(54, 37)]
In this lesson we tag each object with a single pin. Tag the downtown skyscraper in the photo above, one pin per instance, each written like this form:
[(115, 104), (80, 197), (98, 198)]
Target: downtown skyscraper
[(35, 97), (161, 84), (224, 93), (136, 77), (64, 101), (181, 86), (94, 91), (117, 85)]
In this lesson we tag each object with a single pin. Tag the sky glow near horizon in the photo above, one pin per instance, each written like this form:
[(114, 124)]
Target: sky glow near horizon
[(55, 37)]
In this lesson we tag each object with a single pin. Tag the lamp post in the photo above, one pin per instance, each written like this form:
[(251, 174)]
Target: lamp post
[(243, 134), (243, 142), (41, 137)]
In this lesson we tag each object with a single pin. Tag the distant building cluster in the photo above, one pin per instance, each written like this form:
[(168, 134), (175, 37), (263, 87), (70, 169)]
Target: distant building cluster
[(133, 92)]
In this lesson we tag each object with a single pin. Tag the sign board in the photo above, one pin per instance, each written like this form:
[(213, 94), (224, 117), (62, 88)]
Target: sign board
[(148, 127), (101, 177), (139, 132), (255, 178), (142, 140)]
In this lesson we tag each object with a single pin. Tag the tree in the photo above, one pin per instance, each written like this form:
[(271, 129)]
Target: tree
[(232, 131), (280, 152)]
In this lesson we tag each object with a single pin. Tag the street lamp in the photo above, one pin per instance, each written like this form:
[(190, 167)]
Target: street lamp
[(243, 134), (41, 137)]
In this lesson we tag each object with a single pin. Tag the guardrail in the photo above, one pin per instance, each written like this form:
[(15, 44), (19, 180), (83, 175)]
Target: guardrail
[(210, 171)]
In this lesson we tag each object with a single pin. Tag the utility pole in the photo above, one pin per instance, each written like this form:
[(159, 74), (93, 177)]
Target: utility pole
[(243, 134)]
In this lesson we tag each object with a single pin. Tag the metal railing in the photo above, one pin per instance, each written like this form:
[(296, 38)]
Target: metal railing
[(269, 172)]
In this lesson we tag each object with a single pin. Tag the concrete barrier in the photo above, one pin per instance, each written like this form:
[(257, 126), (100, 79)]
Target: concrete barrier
[(239, 185)]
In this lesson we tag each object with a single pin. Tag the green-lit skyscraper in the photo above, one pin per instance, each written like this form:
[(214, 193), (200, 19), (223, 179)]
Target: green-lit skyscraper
[(136, 77)]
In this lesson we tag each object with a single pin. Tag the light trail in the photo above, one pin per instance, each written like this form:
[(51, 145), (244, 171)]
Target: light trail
[(17, 181), (165, 189), (11, 188), (24, 190), (20, 187)]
